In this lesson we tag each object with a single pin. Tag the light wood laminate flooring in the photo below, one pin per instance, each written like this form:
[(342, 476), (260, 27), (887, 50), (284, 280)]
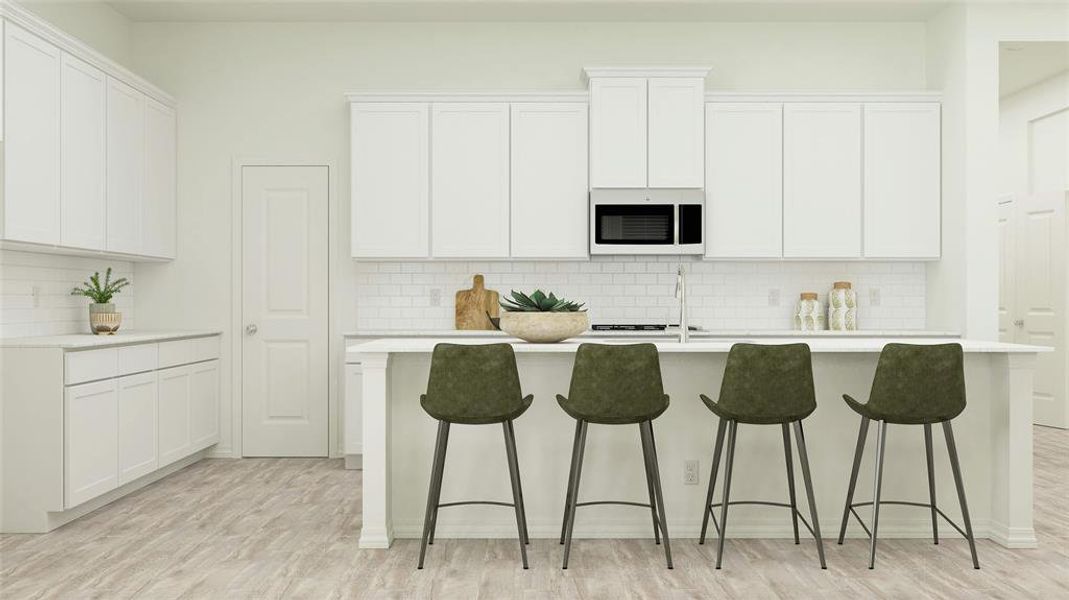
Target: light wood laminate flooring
[(287, 528)]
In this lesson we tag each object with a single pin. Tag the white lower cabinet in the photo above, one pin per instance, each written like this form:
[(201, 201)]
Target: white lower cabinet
[(91, 441), (174, 427), (137, 425), (204, 404)]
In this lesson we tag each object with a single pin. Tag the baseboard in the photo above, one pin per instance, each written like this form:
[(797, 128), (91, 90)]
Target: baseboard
[(354, 462), (1012, 537)]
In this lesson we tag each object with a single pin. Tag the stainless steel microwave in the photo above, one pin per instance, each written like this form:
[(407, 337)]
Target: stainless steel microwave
[(647, 221)]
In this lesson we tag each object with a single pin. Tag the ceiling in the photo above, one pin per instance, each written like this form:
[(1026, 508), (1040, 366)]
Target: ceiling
[(525, 10), (1022, 64)]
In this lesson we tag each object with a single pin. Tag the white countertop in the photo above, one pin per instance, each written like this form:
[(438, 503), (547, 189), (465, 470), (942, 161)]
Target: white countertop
[(720, 333), (817, 344), (79, 341)]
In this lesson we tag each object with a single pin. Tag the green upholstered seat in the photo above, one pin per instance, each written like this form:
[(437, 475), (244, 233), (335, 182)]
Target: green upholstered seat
[(766, 384), (474, 384), (615, 384), (915, 384)]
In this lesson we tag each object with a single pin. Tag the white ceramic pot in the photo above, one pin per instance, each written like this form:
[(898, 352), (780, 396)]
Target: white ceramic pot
[(544, 327), (842, 307), (810, 313)]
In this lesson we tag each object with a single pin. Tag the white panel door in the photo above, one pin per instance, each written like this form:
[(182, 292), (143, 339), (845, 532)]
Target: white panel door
[(618, 122), (744, 180), (173, 406), (1007, 271), (676, 130), (1041, 299), (390, 180), (549, 180), (158, 188), (32, 139), (822, 180), (82, 166), (137, 425), (902, 180), (91, 442), (470, 179), (126, 164), (284, 389), (204, 404), (1048, 152)]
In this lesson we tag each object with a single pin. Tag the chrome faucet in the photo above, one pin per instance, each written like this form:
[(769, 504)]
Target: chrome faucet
[(681, 293)]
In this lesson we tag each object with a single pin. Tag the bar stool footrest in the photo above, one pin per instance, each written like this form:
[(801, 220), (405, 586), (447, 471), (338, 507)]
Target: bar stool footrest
[(470, 502), (905, 503), (798, 513), (613, 502)]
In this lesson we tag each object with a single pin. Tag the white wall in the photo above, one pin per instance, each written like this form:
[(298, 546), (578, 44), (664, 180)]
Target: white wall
[(1034, 138), (93, 22)]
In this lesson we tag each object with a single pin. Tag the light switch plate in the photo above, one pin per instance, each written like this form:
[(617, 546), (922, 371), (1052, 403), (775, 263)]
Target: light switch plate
[(874, 296), (690, 472)]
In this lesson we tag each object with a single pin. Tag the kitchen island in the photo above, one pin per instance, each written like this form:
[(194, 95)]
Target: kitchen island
[(994, 437)]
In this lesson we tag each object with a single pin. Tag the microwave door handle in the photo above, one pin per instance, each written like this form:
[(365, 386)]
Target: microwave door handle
[(675, 222)]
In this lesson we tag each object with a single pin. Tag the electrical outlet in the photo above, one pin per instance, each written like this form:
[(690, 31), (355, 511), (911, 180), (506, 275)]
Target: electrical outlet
[(773, 297), (35, 292), (436, 297), (690, 472), (874, 296)]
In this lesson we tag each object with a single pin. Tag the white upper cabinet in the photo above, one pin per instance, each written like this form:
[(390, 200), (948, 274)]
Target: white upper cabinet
[(470, 179), (744, 180), (676, 149), (822, 180), (902, 180), (158, 187), (82, 163), (390, 180), (618, 132), (126, 164), (32, 138), (549, 180)]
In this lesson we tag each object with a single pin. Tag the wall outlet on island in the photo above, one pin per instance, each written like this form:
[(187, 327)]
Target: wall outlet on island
[(436, 297), (690, 472)]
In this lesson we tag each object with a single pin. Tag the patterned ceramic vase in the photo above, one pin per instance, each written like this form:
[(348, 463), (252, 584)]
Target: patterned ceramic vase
[(810, 314), (842, 307)]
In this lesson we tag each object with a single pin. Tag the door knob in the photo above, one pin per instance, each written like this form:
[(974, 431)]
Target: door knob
[(1018, 322), (251, 329)]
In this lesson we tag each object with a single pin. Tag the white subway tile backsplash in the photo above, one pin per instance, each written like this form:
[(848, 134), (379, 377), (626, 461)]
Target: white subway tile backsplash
[(722, 295)]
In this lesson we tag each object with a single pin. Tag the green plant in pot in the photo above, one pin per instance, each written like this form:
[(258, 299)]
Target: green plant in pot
[(542, 318), (103, 320)]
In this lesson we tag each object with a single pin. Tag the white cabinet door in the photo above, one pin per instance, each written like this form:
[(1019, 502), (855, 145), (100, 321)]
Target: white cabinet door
[(676, 132), (125, 167), (91, 441), (137, 425), (204, 404), (175, 440), (618, 132), (470, 179), (744, 180), (158, 188), (390, 185), (902, 180), (822, 180), (32, 143), (549, 180), (82, 168)]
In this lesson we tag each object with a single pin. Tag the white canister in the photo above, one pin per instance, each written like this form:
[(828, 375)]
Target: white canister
[(842, 307), (810, 314)]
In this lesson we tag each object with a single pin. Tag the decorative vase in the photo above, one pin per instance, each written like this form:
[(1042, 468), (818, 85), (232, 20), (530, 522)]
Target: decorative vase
[(544, 327), (842, 307), (810, 314), (103, 320)]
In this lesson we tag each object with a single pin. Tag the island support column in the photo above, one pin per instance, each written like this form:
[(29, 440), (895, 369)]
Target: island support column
[(1011, 450), (377, 530)]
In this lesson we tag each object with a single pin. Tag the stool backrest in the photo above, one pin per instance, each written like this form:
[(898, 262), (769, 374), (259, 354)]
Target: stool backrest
[(616, 381), (470, 382), (919, 382), (765, 382)]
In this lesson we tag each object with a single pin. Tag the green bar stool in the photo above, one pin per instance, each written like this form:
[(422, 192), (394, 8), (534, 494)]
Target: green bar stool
[(616, 385), (473, 385), (914, 385), (763, 385)]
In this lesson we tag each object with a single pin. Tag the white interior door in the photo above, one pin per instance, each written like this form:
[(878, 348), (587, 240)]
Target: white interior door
[(284, 362)]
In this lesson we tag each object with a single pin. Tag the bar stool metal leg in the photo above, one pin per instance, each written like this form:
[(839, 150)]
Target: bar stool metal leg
[(652, 453), (952, 449), (717, 450), (931, 480), (573, 499), (649, 488), (434, 489), (881, 441), (438, 484), (571, 480), (790, 478), (858, 451), (517, 495), (732, 429), (803, 458)]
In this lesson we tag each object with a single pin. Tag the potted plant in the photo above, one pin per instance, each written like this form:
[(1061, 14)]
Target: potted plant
[(542, 318), (103, 320)]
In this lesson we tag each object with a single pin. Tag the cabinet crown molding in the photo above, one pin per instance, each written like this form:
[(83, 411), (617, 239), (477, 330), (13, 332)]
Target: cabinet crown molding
[(647, 71), (823, 96), (468, 96)]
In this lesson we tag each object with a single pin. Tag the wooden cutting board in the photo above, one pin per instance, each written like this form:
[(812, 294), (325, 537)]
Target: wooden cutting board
[(472, 306)]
